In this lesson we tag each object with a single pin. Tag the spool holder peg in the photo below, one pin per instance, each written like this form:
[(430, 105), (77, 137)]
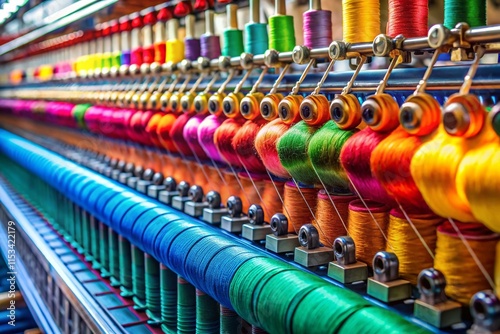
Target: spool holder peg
[(107, 169), (485, 310), (120, 167), (169, 192), (280, 241), (127, 173), (137, 175), (257, 229), (180, 200), (215, 211), (146, 181), (346, 269), (197, 204), (311, 253), (157, 185), (433, 307), (386, 285), (234, 221)]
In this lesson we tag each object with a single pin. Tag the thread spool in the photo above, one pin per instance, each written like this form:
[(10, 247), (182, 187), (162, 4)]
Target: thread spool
[(206, 136), (176, 133), (292, 151), (223, 139), (408, 18), (175, 47), (404, 242), (160, 29), (252, 186), (232, 37), (231, 186), (190, 134), (209, 42), (456, 263), (207, 313), (266, 146), (476, 174), (163, 131), (317, 26), (289, 109), (281, 29), (256, 40), (244, 146), (192, 44), (324, 152), (272, 198), (355, 158), (472, 12), (329, 223), (168, 291), (315, 110), (186, 306), (295, 205), (367, 232), (360, 20)]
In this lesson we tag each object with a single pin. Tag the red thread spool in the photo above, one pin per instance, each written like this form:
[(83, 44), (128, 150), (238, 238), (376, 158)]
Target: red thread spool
[(136, 54), (152, 127), (176, 133), (244, 145), (183, 8), (408, 18), (223, 139), (355, 158), (265, 144)]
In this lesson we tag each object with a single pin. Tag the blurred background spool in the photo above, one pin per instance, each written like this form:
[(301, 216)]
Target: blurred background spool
[(329, 223), (251, 190), (405, 243), (244, 145), (223, 139), (463, 276), (206, 133), (296, 205), (367, 231)]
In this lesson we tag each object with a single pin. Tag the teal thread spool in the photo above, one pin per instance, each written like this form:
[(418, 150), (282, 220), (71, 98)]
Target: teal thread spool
[(230, 322), (232, 37), (94, 237), (168, 291), (256, 39), (153, 296), (207, 313), (114, 257), (471, 11), (124, 248), (186, 307), (281, 29), (103, 248), (139, 281)]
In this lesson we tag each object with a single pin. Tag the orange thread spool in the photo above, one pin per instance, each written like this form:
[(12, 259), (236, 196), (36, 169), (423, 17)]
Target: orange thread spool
[(404, 242), (295, 206), (365, 231), (223, 139), (163, 130), (463, 276), (328, 221), (250, 192), (232, 188), (265, 144), (271, 202)]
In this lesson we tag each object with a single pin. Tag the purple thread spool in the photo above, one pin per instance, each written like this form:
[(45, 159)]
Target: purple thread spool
[(193, 50), (210, 46), (317, 28)]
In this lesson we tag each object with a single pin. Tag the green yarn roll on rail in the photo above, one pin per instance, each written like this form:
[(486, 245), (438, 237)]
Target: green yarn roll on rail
[(139, 281), (186, 307), (292, 151), (168, 292), (256, 40), (207, 313), (281, 33), (324, 151), (232, 43), (472, 12), (153, 296)]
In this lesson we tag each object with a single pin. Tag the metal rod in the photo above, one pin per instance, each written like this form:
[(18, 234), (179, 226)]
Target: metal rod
[(209, 22), (280, 7), (254, 11), (315, 4), (232, 17)]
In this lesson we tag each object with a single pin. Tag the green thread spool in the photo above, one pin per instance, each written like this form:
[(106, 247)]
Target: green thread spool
[(94, 238), (114, 257), (153, 295), (292, 151), (186, 306), (232, 37), (281, 33), (124, 248), (168, 291), (230, 322), (103, 248), (87, 244), (256, 40), (471, 11), (324, 151), (207, 313), (139, 281), (116, 59)]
